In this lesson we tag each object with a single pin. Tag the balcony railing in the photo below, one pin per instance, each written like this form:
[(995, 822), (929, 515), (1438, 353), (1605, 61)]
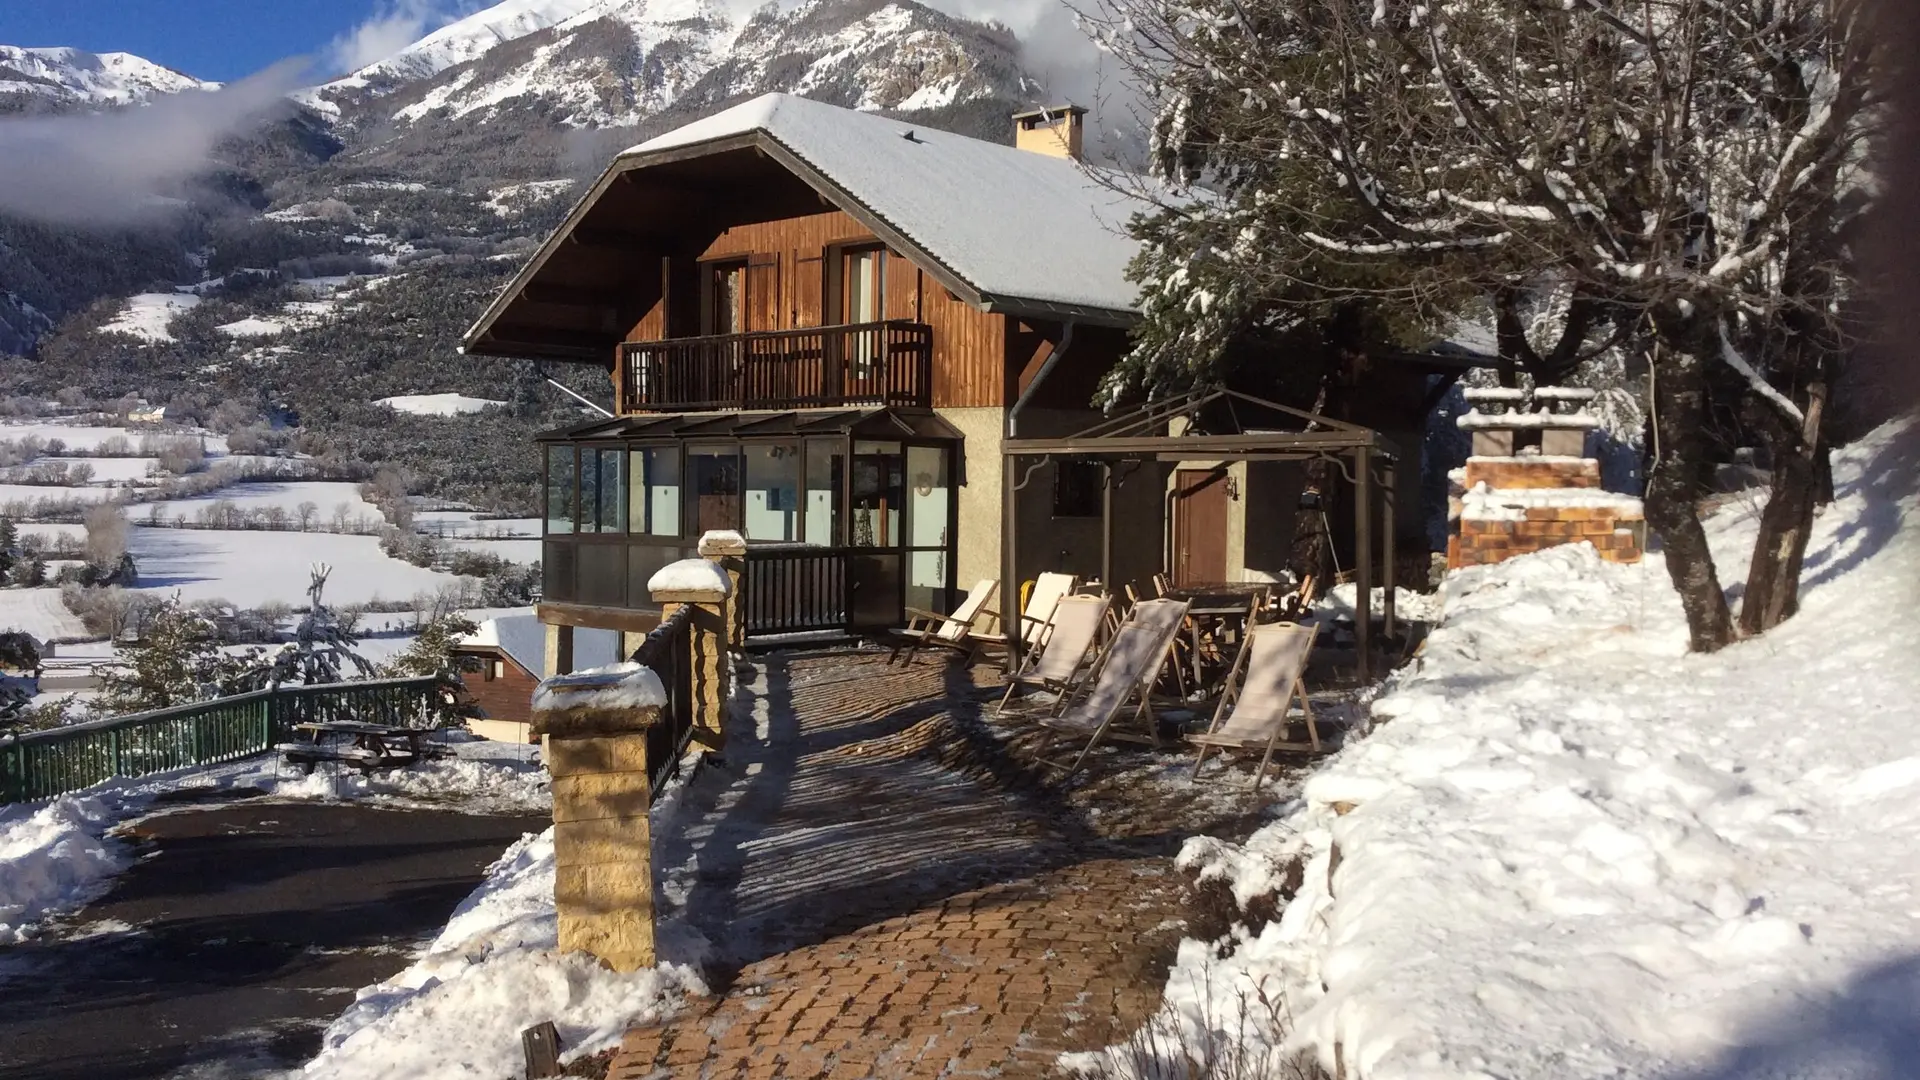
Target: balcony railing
[(881, 363)]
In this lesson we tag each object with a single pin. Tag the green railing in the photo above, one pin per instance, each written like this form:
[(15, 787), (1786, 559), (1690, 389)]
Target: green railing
[(44, 764)]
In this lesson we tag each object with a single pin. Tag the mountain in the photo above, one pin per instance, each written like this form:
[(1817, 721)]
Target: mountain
[(339, 252), (610, 63), (70, 77)]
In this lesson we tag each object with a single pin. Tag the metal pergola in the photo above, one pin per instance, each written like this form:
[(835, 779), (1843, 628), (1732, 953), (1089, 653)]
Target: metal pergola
[(1226, 426)]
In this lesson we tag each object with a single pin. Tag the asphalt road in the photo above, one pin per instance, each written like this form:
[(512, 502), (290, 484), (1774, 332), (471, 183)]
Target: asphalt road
[(251, 926)]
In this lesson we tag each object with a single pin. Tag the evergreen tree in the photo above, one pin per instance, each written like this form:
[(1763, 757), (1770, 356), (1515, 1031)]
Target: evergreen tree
[(178, 661), (431, 653)]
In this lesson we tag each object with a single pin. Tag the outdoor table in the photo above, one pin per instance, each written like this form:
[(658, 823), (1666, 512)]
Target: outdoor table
[(374, 737), (1215, 604)]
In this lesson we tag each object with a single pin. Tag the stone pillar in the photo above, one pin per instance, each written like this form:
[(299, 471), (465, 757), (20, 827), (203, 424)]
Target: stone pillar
[(707, 588), (595, 728), (559, 650), (728, 550)]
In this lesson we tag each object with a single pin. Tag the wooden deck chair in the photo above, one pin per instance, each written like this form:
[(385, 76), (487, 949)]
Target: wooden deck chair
[(1069, 652), (1260, 692), (953, 631), (1126, 673), (1048, 589), (1170, 617)]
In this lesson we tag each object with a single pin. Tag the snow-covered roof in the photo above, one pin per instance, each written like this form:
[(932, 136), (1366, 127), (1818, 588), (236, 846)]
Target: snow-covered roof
[(1014, 224), (524, 639)]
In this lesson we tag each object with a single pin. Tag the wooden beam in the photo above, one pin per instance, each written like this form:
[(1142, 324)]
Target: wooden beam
[(509, 334), (571, 296), (622, 240), (633, 620)]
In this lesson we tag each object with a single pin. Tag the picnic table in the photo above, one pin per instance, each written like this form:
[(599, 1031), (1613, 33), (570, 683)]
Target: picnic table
[(1216, 612), (366, 746)]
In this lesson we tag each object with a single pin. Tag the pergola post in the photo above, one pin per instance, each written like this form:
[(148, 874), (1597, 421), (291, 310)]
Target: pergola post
[(1363, 560), (1009, 561), (1106, 525), (1389, 496)]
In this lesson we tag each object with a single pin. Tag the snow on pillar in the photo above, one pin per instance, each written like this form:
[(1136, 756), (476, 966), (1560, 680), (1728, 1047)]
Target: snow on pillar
[(707, 588), (595, 724)]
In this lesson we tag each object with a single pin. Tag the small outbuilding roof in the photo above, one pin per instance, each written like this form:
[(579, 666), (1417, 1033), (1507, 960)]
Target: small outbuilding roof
[(524, 641)]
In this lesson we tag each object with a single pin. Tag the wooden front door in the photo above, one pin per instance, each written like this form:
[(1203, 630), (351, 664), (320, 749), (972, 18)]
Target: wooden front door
[(1199, 527)]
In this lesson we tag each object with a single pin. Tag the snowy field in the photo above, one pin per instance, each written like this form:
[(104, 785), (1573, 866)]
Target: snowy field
[(147, 315), (29, 493), (1572, 849), (516, 551), (53, 532), (467, 523), (253, 568), (110, 470), (328, 496), (89, 437), (39, 612), (439, 404)]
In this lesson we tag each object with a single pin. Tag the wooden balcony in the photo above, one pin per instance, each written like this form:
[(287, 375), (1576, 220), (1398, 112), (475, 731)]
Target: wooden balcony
[(883, 363)]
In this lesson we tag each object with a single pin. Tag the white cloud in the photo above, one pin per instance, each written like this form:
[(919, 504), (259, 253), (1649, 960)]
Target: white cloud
[(127, 165), (393, 26)]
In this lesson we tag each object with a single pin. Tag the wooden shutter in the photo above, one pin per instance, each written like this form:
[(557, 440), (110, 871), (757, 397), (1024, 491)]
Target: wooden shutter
[(763, 293), (809, 284)]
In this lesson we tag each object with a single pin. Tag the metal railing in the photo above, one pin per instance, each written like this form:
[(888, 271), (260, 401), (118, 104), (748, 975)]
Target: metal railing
[(879, 363), (668, 651), (794, 589), (45, 764)]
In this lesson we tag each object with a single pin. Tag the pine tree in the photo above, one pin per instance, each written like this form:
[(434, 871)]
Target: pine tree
[(178, 661), (431, 653)]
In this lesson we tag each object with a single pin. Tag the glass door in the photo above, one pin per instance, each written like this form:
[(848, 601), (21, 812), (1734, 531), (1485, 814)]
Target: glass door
[(878, 496)]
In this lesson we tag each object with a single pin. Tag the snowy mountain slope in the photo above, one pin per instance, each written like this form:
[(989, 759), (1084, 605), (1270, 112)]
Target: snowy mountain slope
[(464, 40), (1573, 849), (621, 62), (71, 76)]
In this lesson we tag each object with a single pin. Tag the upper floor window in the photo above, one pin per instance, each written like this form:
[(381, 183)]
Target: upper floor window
[(865, 270), (727, 298)]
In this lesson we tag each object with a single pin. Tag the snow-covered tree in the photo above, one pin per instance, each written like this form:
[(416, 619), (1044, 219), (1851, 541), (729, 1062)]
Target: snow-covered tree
[(1679, 176), (431, 651), (324, 645), (178, 661)]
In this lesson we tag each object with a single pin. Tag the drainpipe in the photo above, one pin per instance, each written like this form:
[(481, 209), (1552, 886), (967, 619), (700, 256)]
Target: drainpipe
[(1046, 368), (1009, 510)]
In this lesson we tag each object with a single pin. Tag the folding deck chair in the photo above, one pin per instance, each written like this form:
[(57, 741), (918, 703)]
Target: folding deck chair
[(1127, 671), (1067, 650), (1048, 589), (953, 631), (1253, 711)]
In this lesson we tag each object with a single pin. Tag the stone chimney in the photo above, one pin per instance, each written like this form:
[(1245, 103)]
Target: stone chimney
[(1054, 129)]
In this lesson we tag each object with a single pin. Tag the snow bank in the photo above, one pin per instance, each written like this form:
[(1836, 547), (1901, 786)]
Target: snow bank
[(495, 970), (1573, 849), (439, 404), (55, 858)]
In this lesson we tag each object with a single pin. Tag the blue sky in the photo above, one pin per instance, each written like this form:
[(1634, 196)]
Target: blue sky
[(208, 39)]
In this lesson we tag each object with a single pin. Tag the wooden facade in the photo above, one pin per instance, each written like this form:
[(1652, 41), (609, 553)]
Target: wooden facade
[(500, 688), (793, 274)]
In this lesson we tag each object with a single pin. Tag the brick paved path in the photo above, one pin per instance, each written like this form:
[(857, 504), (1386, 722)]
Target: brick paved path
[(896, 897)]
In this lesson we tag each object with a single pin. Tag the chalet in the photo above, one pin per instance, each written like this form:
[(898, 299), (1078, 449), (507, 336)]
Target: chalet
[(500, 664), (827, 330)]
